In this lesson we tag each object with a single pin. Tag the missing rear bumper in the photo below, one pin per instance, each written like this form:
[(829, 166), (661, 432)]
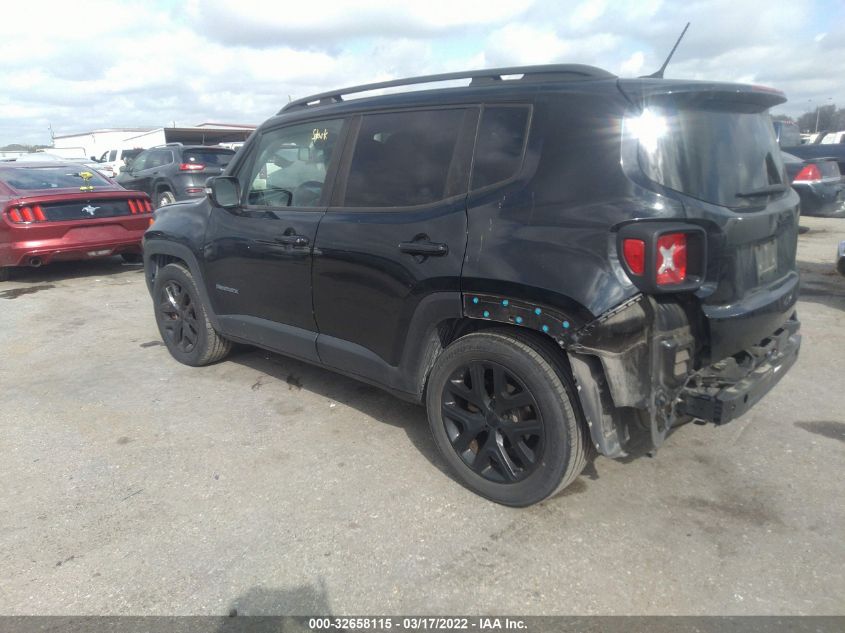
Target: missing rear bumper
[(727, 389)]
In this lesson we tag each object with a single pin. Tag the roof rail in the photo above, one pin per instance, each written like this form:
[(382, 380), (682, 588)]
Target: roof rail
[(548, 72)]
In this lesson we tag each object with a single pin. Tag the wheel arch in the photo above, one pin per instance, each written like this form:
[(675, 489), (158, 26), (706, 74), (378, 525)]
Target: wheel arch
[(159, 253)]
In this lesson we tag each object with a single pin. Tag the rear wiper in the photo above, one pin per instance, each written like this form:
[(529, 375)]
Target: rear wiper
[(763, 191)]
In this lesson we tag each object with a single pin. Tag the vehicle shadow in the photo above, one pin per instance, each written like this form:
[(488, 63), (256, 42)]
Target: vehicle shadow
[(61, 271), (821, 283), (371, 401)]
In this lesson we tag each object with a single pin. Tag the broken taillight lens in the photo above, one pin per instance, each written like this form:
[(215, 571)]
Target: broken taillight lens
[(671, 260)]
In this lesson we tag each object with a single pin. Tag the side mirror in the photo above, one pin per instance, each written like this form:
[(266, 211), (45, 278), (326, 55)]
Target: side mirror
[(224, 191), (95, 159)]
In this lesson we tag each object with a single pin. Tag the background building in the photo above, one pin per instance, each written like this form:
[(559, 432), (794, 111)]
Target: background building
[(96, 142)]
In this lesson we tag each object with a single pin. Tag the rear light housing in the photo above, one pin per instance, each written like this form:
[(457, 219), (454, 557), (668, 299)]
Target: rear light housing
[(139, 206), (662, 257), (26, 214), (34, 213), (191, 167), (808, 173)]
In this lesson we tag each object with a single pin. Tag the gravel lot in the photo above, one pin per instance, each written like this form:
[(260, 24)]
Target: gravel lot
[(131, 484)]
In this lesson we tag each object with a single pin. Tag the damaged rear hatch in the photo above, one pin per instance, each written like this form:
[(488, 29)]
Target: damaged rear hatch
[(712, 148)]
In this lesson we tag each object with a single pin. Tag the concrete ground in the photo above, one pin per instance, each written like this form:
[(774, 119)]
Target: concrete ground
[(131, 484)]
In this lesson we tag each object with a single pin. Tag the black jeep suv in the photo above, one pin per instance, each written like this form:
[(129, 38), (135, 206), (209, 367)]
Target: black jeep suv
[(554, 263), (174, 171)]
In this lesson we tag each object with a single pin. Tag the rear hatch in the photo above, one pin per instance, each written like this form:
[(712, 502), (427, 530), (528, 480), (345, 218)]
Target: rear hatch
[(206, 160), (712, 148)]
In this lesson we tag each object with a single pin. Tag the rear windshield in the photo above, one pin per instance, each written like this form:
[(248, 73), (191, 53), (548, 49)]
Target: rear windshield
[(65, 177), (709, 154), (210, 157)]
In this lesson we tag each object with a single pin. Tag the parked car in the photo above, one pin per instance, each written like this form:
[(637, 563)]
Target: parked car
[(550, 263), (61, 211), (787, 133), (833, 138), (174, 172), (111, 161), (820, 151), (818, 183)]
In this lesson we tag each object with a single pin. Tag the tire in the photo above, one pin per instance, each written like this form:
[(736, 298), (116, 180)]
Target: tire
[(132, 258), (182, 319), (525, 440), (4, 273), (163, 198)]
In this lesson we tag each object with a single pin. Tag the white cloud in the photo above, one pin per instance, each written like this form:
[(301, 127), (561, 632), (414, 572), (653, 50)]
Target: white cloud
[(632, 66), (97, 63)]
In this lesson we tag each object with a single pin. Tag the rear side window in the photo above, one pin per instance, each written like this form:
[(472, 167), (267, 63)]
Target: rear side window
[(113, 155), (500, 145), (215, 158), (408, 158), (158, 158)]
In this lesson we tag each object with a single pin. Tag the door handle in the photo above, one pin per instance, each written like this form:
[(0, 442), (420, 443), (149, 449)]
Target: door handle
[(426, 249), (293, 240)]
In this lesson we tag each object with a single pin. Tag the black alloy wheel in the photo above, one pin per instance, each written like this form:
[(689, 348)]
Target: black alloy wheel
[(183, 319), (493, 422), (502, 408), (178, 317)]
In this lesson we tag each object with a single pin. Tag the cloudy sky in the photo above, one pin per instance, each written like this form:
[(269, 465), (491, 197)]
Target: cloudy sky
[(80, 65)]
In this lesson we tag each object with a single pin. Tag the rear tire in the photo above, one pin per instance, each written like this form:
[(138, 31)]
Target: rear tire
[(182, 319), (502, 411), (164, 198)]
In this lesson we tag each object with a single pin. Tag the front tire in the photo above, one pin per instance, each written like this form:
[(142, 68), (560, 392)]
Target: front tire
[(502, 411), (182, 319)]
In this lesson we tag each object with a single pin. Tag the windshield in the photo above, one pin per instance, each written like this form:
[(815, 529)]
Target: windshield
[(208, 157), (715, 155), (64, 177)]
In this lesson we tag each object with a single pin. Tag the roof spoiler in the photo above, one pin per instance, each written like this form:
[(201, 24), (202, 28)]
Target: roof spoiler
[(699, 93)]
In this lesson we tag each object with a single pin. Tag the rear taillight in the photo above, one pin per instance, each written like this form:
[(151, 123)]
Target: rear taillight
[(191, 167), (808, 174), (139, 206), (634, 252), (662, 257), (26, 215), (671, 261)]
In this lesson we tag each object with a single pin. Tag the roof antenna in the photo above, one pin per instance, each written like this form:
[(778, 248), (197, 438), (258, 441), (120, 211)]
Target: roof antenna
[(659, 73)]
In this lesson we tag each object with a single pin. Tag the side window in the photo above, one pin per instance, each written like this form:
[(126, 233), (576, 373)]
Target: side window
[(157, 158), (113, 155), (501, 140), (407, 158), (291, 165), (140, 161)]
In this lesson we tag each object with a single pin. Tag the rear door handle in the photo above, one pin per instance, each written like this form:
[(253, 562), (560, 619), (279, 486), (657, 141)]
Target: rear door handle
[(427, 249), (293, 240)]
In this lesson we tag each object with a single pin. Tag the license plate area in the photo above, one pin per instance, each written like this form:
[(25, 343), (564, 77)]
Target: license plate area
[(766, 256)]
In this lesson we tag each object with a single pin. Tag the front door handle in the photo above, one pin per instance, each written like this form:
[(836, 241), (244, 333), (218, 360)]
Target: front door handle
[(426, 249), (293, 240)]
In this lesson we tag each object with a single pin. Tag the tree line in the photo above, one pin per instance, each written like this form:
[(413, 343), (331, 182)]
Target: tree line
[(830, 119)]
